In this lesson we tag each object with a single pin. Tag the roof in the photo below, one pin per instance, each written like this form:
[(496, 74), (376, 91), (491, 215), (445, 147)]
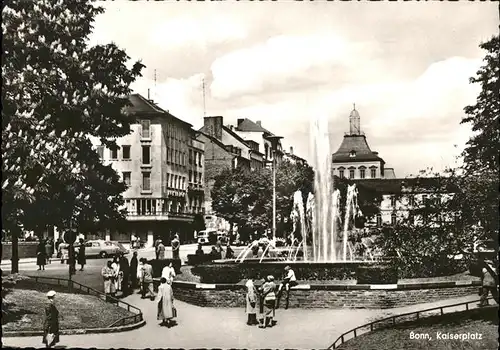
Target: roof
[(396, 186), (213, 139), (142, 106), (358, 144), (235, 135), (250, 126), (389, 173)]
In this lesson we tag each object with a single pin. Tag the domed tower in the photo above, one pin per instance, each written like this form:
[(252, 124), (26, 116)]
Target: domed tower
[(354, 159)]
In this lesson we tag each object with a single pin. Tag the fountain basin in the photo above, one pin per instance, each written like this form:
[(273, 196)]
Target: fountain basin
[(230, 271)]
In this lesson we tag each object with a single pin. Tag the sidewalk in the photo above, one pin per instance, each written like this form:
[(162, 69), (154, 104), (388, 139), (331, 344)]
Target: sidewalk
[(226, 328)]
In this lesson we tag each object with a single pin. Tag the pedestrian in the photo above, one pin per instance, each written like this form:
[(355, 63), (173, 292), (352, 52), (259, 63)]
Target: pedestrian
[(489, 283), (147, 279), (229, 251), (160, 251), (156, 244), (41, 256), (289, 281), (64, 252), (133, 270), (168, 272), (269, 296), (51, 322), (82, 259), (215, 254), (200, 251), (108, 274), (49, 250), (166, 309), (251, 302), (118, 274), (176, 244), (58, 242), (125, 268)]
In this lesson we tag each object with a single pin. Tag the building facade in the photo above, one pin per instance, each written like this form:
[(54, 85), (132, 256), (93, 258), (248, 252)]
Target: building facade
[(162, 165), (354, 159)]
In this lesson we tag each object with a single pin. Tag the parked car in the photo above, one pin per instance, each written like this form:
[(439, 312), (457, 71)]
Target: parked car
[(103, 249), (207, 236)]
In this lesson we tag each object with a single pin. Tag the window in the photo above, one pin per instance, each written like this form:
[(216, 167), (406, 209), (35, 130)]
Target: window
[(114, 153), (190, 176), (393, 219), (393, 201), (126, 177), (168, 180), (146, 181), (341, 173), (100, 152), (145, 128), (190, 157), (126, 152), (373, 173), (362, 173), (351, 174), (424, 200), (146, 154)]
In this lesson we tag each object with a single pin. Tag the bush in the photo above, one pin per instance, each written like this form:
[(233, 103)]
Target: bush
[(8, 283), (377, 274)]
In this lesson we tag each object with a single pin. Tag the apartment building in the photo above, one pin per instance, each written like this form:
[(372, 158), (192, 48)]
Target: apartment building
[(161, 163)]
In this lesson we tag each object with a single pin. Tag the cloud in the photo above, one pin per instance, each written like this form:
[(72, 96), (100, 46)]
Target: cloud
[(281, 61), (181, 97), (187, 31)]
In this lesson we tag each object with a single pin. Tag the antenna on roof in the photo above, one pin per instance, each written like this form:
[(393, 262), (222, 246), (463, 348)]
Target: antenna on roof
[(148, 94), (204, 103), (354, 106), (154, 78)]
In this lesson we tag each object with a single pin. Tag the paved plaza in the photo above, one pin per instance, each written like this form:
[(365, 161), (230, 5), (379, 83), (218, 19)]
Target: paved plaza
[(200, 327)]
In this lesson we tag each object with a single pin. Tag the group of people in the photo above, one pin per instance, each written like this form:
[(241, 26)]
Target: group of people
[(46, 247), (160, 248), (217, 252), (119, 275), (267, 297)]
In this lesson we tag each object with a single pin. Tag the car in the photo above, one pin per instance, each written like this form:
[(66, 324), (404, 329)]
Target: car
[(206, 236), (102, 248), (122, 248)]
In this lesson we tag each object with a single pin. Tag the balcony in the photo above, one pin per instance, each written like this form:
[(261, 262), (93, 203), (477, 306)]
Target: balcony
[(159, 216)]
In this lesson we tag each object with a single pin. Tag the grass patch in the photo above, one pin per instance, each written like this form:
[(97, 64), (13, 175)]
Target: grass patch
[(76, 311), (482, 323)]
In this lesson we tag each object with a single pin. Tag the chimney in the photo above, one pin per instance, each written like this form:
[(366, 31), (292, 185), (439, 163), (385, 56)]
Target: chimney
[(259, 123), (291, 150), (239, 121), (213, 126)]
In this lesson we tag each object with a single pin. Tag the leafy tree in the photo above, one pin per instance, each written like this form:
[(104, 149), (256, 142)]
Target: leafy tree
[(481, 160), (57, 91), (430, 237)]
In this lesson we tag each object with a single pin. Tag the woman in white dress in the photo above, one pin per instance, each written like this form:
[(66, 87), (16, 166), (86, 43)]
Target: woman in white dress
[(117, 274), (168, 273)]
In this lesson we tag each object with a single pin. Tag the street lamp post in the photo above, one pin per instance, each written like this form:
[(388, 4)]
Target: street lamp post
[(274, 145)]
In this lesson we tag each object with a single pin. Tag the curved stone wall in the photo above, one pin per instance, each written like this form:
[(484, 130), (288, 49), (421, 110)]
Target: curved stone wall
[(310, 296)]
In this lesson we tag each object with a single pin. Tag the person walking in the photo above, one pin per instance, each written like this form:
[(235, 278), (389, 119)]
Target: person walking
[(168, 273), (269, 296), (147, 279), (125, 268), (51, 322), (81, 258), (176, 245), (166, 309), (133, 270), (118, 274), (489, 283), (41, 255), (56, 245), (108, 274), (156, 244), (49, 249), (64, 252), (160, 251), (251, 302), (289, 281)]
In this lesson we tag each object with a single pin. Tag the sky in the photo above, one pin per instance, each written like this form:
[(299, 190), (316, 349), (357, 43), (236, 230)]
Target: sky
[(406, 66)]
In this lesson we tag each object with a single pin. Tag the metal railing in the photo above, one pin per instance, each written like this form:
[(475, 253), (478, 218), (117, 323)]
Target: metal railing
[(72, 285), (391, 321)]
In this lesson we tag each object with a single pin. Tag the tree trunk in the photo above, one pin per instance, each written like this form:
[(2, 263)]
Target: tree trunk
[(15, 251)]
